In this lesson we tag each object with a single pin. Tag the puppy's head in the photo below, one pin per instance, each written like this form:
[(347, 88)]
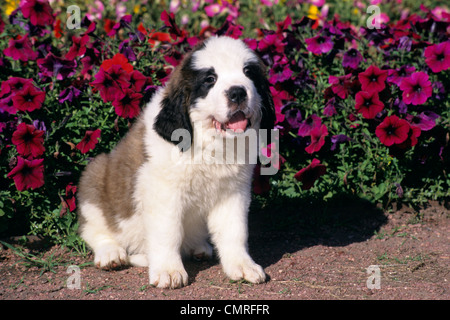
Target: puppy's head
[(220, 85)]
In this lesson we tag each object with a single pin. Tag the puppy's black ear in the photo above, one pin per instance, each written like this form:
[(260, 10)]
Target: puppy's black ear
[(174, 113), (256, 72)]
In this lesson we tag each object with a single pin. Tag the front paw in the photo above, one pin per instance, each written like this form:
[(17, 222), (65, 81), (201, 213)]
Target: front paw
[(247, 270), (172, 279)]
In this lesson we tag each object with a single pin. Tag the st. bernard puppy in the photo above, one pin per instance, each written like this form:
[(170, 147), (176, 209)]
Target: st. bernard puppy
[(146, 205)]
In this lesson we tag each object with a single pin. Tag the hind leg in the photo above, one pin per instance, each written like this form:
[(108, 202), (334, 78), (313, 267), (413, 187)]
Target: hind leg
[(93, 229)]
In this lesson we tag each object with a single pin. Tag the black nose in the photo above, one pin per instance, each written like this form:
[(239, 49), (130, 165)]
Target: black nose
[(237, 94)]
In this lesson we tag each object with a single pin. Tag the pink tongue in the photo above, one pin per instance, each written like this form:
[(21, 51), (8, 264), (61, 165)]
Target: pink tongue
[(238, 122)]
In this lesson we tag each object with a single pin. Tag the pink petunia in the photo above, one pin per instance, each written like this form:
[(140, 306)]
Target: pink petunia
[(437, 56), (319, 44), (416, 89), (20, 49), (38, 11)]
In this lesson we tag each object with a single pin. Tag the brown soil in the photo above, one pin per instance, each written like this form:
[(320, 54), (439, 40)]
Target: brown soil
[(304, 258)]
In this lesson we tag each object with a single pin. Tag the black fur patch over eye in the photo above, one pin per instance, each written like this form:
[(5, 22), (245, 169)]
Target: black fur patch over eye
[(203, 81), (255, 72)]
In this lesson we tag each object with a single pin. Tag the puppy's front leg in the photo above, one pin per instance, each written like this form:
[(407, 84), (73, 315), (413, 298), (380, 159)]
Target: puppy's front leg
[(228, 226), (164, 231)]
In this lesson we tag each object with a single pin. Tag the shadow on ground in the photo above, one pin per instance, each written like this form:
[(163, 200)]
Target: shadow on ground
[(289, 225)]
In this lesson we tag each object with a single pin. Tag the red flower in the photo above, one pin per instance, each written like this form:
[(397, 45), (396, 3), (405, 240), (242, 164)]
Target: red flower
[(28, 140), (14, 85), (137, 80), (411, 140), (368, 103), (28, 174), (28, 99), (392, 130), (89, 141), (318, 135), (310, 174), (169, 21), (373, 79), (437, 56), (78, 47), (70, 196), (20, 49), (118, 59), (416, 88), (38, 11), (128, 106), (111, 84), (340, 85)]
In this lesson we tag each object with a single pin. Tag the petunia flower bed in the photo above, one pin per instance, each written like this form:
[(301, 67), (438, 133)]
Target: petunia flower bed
[(360, 111)]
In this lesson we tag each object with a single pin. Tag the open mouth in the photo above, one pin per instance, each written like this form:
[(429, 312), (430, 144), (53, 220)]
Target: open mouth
[(238, 123)]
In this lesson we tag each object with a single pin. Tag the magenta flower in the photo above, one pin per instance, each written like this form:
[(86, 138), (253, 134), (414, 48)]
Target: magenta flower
[(313, 121), (278, 99), (78, 47), (20, 49), (318, 135), (437, 56), (397, 75), (373, 79), (38, 11), (272, 43), (319, 44), (416, 89), (280, 71)]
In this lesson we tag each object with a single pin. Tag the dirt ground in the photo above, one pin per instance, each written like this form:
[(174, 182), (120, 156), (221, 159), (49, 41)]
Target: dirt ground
[(325, 257)]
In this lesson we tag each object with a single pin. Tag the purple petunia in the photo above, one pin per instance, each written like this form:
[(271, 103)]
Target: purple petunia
[(69, 94), (53, 66), (352, 59)]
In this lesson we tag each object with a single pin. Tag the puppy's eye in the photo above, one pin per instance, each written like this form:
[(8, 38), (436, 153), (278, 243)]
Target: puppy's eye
[(249, 71), (209, 80)]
